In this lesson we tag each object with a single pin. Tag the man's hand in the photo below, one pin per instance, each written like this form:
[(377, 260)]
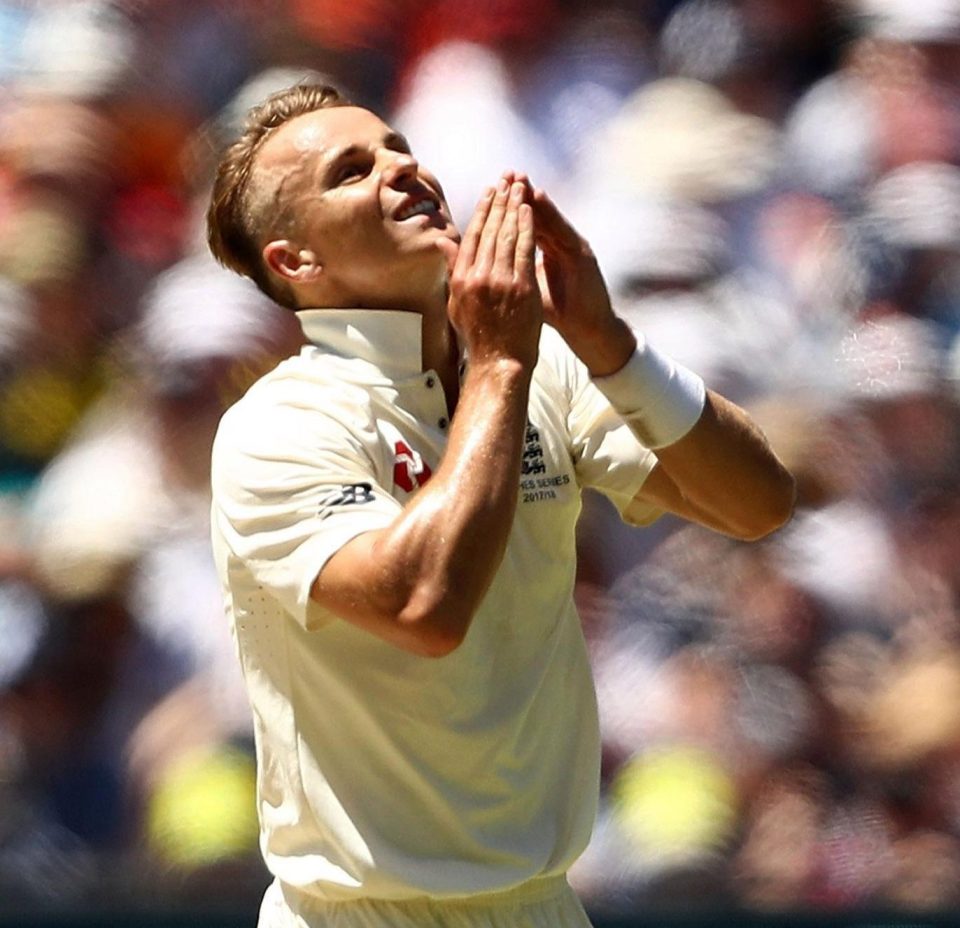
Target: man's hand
[(575, 298), (495, 302)]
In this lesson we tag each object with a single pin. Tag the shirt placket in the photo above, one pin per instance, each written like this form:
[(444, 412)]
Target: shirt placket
[(432, 402)]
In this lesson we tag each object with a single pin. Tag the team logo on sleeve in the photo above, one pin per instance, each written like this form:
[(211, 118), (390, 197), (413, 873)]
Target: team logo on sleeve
[(409, 469), (350, 494)]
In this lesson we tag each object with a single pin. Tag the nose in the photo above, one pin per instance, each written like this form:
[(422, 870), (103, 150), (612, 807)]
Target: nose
[(401, 168)]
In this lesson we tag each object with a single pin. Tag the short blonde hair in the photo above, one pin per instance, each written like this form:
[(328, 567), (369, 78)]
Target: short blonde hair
[(236, 222)]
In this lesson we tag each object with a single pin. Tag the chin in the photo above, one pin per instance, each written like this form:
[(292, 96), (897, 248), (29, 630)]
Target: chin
[(425, 264), (448, 230)]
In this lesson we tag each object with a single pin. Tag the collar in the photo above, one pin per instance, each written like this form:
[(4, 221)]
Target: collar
[(389, 340)]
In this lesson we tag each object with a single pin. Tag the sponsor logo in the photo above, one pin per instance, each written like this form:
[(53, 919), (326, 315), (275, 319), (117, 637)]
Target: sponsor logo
[(409, 469), (350, 494)]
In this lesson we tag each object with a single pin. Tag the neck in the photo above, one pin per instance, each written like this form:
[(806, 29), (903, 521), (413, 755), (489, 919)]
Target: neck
[(441, 352)]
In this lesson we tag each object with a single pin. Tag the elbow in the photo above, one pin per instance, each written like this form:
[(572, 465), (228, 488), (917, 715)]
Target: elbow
[(436, 645), (776, 511), (436, 628), (786, 502)]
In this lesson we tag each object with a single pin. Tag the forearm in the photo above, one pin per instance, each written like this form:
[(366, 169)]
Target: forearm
[(604, 349), (444, 550), (418, 581), (726, 472), (715, 465)]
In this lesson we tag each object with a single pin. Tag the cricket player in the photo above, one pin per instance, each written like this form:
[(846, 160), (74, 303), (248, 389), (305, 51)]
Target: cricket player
[(394, 514)]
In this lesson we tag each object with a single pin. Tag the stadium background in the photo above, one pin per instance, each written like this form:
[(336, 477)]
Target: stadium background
[(773, 189)]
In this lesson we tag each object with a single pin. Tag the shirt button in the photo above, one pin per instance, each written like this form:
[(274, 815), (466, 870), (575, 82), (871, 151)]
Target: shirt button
[(442, 422), (430, 381)]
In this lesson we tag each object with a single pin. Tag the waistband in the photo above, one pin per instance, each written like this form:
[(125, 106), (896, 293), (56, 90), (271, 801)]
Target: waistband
[(532, 891), (544, 887)]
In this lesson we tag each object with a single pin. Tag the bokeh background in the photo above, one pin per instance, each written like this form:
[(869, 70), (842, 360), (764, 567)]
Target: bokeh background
[(773, 190)]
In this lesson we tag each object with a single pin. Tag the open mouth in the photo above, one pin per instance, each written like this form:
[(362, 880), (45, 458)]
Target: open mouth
[(422, 206)]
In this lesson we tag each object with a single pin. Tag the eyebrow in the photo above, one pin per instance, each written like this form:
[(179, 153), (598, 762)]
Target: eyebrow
[(396, 139)]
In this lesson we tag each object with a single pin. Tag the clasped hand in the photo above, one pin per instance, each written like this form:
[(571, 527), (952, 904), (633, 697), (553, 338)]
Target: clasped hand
[(495, 303), (500, 293)]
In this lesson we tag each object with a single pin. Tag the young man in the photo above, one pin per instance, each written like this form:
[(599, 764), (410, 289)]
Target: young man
[(394, 515)]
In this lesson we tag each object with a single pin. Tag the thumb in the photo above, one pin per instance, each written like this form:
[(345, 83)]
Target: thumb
[(546, 296), (449, 250)]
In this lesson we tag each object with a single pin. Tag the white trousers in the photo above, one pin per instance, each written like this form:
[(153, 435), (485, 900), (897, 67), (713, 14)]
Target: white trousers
[(543, 903)]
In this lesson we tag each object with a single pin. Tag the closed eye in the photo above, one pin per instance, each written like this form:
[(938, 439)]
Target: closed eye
[(350, 171)]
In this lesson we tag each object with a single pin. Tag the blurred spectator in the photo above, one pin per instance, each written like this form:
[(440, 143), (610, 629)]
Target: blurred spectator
[(121, 519), (890, 103), (773, 190), (459, 92)]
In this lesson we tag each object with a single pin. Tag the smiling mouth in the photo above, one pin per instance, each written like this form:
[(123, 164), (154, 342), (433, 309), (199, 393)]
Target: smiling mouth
[(424, 207)]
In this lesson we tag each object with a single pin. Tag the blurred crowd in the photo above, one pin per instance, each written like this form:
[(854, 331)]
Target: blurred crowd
[(772, 188)]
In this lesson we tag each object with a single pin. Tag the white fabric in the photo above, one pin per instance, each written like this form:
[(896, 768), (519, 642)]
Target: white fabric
[(384, 774), (544, 903), (661, 399)]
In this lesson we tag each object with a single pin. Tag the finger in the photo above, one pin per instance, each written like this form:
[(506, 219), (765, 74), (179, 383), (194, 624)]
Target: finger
[(544, 285), (552, 225), (450, 250), (506, 251), (486, 249), (550, 281), (471, 237), (526, 247), (520, 177)]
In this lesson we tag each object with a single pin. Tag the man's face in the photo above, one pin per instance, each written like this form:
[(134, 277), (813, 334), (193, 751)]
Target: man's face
[(358, 200)]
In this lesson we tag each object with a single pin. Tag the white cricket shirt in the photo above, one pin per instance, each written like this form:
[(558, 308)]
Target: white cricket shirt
[(383, 774)]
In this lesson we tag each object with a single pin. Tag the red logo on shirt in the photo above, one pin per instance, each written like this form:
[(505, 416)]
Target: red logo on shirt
[(409, 469)]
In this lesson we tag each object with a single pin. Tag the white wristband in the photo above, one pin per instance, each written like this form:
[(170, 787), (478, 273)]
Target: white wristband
[(660, 399)]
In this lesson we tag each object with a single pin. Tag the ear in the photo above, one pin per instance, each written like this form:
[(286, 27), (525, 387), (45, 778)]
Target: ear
[(294, 264)]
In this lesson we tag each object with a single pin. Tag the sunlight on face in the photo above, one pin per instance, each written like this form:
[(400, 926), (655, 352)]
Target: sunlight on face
[(353, 195)]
